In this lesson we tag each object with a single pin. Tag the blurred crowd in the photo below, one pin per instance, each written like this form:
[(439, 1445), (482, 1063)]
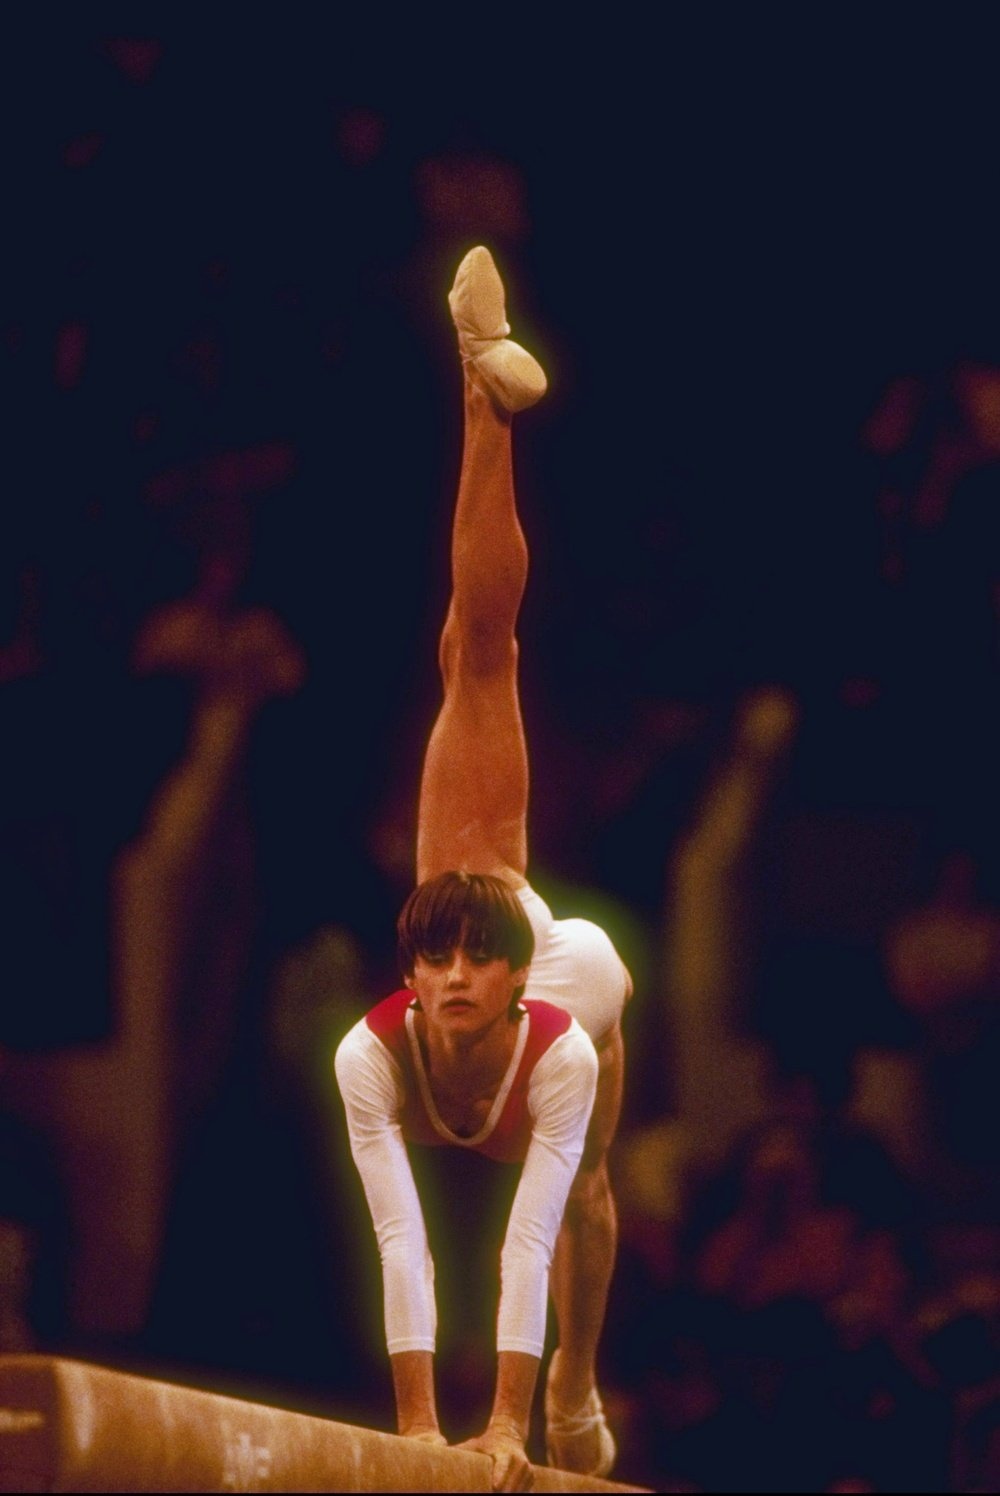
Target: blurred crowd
[(809, 1296), (216, 672)]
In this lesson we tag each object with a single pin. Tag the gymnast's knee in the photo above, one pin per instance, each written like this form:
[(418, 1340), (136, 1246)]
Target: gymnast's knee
[(475, 650)]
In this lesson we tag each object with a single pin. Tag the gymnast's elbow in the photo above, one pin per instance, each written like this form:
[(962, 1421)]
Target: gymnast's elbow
[(531, 1253), (403, 1248)]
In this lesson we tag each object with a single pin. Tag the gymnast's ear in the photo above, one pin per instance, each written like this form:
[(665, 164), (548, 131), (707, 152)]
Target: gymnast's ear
[(416, 1003)]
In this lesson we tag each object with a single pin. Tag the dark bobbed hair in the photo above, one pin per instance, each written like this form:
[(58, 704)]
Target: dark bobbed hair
[(475, 911)]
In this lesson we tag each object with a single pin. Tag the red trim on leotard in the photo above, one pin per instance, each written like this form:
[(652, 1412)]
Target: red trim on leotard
[(509, 1139)]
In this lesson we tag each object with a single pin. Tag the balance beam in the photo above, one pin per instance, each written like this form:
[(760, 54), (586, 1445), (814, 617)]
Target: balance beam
[(69, 1426)]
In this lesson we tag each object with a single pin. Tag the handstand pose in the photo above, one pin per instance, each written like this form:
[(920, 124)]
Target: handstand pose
[(507, 1038)]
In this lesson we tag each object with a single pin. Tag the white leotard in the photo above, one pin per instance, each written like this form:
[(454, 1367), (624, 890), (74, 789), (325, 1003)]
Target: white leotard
[(575, 966)]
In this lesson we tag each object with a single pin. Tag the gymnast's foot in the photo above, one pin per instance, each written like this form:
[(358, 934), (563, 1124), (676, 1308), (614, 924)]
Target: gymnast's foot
[(508, 371), (577, 1440)]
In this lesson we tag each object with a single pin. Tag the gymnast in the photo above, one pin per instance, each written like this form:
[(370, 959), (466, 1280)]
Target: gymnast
[(507, 1037)]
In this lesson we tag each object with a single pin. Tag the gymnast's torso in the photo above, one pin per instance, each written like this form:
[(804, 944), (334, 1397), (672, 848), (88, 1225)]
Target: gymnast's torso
[(500, 1126)]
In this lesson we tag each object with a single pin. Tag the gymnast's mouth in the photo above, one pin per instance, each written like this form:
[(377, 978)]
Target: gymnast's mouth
[(458, 1002)]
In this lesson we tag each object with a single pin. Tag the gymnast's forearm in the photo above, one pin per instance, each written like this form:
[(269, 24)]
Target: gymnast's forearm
[(517, 1374), (416, 1405)]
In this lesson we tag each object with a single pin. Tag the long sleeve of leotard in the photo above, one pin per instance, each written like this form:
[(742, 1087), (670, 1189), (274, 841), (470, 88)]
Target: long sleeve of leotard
[(560, 1101), (371, 1085)]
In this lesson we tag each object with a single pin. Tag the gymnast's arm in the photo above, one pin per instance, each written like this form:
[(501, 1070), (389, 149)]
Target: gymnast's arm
[(372, 1089), (560, 1100)]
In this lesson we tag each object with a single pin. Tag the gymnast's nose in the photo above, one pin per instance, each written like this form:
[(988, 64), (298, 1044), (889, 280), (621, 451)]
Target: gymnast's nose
[(459, 969)]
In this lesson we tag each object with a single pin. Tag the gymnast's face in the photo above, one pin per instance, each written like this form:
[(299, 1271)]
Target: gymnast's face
[(464, 992)]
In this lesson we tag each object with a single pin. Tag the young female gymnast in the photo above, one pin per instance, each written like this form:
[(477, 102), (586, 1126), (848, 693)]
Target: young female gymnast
[(507, 1037)]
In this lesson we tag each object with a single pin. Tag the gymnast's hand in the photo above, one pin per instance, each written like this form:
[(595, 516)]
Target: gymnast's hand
[(511, 1467)]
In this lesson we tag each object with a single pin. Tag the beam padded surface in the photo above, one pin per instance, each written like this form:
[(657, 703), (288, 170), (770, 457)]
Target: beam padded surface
[(69, 1426)]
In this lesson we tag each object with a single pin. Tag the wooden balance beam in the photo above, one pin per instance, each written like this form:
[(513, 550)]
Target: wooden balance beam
[(68, 1426)]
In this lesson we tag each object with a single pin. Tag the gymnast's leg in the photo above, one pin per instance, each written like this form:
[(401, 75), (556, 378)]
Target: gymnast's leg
[(474, 789), (576, 1435)]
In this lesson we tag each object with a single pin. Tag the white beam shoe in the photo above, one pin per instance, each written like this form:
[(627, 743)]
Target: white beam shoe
[(513, 377), (580, 1442)]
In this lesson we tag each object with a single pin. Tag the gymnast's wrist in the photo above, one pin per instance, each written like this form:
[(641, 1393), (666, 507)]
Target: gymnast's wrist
[(427, 1433), (508, 1426)]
